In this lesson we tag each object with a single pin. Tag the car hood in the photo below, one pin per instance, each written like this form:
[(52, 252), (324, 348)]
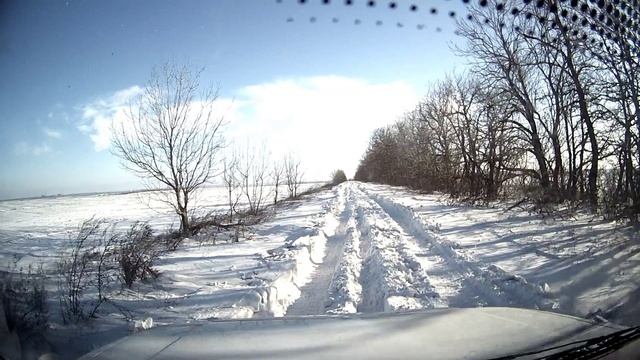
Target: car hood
[(475, 333)]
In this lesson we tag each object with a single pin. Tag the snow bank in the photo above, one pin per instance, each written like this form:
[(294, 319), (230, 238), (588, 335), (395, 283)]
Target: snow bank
[(305, 253)]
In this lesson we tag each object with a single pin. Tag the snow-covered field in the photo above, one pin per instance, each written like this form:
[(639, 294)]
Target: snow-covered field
[(33, 231), (258, 276), (355, 248)]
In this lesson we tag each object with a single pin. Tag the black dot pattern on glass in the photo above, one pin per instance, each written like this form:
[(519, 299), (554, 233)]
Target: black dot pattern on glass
[(614, 20)]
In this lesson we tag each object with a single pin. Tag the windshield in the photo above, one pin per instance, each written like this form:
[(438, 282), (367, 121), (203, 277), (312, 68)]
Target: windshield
[(169, 163)]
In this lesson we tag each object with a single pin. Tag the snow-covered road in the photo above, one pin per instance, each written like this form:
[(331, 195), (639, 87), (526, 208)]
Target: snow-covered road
[(383, 257), (314, 297)]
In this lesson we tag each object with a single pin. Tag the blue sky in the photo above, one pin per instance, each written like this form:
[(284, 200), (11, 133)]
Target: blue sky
[(284, 81)]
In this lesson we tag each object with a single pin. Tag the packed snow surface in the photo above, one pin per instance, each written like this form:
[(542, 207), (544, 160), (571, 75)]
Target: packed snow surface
[(573, 263), (354, 248)]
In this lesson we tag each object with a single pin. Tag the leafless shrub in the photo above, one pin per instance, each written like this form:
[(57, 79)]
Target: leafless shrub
[(206, 228), (87, 267), (24, 299), (313, 190), (137, 250), (170, 239), (615, 204)]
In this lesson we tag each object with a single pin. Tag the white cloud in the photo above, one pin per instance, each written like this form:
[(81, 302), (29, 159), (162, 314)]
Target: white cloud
[(24, 148), (325, 121), (99, 115), (52, 133)]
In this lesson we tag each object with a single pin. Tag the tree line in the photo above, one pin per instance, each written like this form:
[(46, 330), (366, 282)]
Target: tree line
[(251, 176), (549, 107)]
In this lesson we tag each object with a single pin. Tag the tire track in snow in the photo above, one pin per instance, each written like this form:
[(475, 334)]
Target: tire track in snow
[(314, 297), (383, 257), (447, 283), (488, 284), (392, 278), (346, 291)]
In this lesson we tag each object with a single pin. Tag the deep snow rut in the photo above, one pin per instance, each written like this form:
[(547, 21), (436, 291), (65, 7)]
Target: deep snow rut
[(449, 285), (394, 277), (315, 296), (383, 257)]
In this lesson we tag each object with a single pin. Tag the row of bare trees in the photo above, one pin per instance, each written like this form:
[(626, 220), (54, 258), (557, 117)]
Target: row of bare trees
[(550, 105), (455, 141), (251, 176)]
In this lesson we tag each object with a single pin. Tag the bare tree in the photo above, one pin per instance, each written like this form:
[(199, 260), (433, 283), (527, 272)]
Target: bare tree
[(293, 175), (252, 170), (277, 177), (231, 183), (171, 137)]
